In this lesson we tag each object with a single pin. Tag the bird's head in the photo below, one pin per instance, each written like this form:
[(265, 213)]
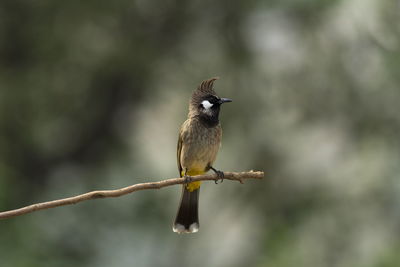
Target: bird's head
[(205, 103)]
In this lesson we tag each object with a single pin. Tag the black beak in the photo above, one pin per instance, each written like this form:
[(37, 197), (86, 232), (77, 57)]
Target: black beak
[(225, 100)]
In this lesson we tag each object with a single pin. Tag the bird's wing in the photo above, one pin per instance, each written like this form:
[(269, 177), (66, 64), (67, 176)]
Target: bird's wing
[(178, 152)]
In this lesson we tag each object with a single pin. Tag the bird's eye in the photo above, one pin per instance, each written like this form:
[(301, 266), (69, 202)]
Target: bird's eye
[(206, 104)]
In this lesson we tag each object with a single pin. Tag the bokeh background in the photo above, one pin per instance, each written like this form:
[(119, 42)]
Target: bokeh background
[(92, 94)]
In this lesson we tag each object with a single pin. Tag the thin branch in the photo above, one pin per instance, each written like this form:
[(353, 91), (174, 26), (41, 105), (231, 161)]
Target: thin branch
[(236, 176)]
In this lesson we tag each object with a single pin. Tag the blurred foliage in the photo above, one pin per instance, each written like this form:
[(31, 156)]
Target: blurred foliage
[(92, 95)]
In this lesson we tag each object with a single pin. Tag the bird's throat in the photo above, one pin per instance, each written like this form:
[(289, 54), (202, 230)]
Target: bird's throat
[(209, 121)]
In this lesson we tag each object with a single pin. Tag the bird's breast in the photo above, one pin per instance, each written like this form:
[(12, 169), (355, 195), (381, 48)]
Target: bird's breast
[(200, 148)]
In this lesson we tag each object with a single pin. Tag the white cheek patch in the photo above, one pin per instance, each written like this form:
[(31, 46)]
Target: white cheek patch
[(206, 104)]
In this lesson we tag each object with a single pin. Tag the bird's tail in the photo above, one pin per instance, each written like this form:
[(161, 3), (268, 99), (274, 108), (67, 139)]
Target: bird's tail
[(187, 218)]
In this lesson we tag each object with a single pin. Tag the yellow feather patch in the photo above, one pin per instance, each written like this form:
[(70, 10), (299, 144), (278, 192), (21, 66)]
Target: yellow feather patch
[(194, 185)]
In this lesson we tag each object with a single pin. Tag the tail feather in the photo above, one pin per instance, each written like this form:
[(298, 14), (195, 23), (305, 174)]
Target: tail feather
[(187, 218)]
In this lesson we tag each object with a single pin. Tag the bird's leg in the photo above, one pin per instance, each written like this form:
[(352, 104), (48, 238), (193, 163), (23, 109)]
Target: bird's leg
[(220, 175), (188, 179)]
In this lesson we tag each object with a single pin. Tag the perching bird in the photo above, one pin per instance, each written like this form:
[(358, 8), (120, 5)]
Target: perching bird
[(198, 144)]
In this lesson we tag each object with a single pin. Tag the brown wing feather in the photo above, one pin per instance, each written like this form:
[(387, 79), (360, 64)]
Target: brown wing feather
[(178, 152)]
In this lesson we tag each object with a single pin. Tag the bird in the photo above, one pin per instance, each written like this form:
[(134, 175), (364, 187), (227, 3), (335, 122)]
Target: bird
[(198, 144)]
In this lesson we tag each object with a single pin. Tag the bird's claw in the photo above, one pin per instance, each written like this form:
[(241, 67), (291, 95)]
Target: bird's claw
[(188, 179), (220, 175)]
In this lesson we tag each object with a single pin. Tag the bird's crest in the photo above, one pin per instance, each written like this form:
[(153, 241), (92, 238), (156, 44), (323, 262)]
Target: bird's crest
[(206, 87)]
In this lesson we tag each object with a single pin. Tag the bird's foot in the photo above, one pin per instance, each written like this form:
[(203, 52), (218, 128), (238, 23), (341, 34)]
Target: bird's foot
[(220, 175), (188, 179)]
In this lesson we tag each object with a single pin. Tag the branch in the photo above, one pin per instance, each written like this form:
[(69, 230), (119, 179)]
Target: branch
[(236, 176)]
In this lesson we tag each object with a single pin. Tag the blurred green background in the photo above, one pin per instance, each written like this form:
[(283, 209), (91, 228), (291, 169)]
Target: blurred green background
[(92, 94)]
